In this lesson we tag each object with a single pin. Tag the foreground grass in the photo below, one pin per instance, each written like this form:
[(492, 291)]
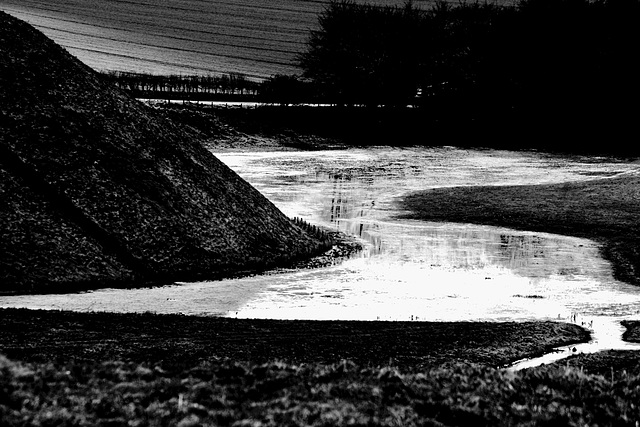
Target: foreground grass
[(66, 368), (605, 210), (244, 394), (144, 369)]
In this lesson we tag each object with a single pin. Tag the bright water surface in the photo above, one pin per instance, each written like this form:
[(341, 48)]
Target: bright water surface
[(409, 270)]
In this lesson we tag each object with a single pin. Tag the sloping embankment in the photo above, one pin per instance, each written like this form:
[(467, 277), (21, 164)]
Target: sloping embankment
[(97, 189)]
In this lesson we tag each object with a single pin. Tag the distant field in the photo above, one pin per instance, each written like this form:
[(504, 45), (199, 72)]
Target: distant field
[(258, 38)]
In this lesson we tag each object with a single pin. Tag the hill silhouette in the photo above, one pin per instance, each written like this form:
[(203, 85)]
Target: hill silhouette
[(97, 189)]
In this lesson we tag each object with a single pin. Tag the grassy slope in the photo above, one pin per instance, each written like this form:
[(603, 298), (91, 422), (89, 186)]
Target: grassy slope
[(28, 219), (605, 210), (140, 189)]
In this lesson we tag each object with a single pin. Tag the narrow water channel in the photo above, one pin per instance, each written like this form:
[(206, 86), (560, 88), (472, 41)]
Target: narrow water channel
[(409, 270)]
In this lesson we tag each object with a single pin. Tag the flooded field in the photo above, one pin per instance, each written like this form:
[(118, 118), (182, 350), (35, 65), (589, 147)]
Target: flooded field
[(409, 270), (431, 271)]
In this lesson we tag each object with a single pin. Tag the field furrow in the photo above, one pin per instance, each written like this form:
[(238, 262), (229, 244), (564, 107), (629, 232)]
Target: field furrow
[(258, 39), (206, 34)]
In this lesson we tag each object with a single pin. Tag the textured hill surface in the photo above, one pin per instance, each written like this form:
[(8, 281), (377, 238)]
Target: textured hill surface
[(97, 189)]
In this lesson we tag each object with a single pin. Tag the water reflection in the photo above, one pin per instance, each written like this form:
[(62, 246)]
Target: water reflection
[(472, 247), (456, 245), (437, 271)]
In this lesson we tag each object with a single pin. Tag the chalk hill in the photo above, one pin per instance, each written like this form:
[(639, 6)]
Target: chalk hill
[(96, 189)]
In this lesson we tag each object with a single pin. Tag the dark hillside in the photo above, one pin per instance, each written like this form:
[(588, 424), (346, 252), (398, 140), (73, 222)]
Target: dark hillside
[(96, 189)]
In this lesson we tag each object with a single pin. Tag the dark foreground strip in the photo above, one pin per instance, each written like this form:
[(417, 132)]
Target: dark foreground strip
[(186, 341)]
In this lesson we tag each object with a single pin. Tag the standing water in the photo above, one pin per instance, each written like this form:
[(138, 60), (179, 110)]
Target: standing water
[(409, 270)]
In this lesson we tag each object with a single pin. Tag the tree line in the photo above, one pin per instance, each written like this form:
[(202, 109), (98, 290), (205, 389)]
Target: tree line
[(143, 85), (396, 56), (388, 55), (280, 89), (565, 63), (568, 64)]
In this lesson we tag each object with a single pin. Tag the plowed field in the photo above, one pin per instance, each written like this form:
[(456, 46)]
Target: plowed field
[(258, 38)]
